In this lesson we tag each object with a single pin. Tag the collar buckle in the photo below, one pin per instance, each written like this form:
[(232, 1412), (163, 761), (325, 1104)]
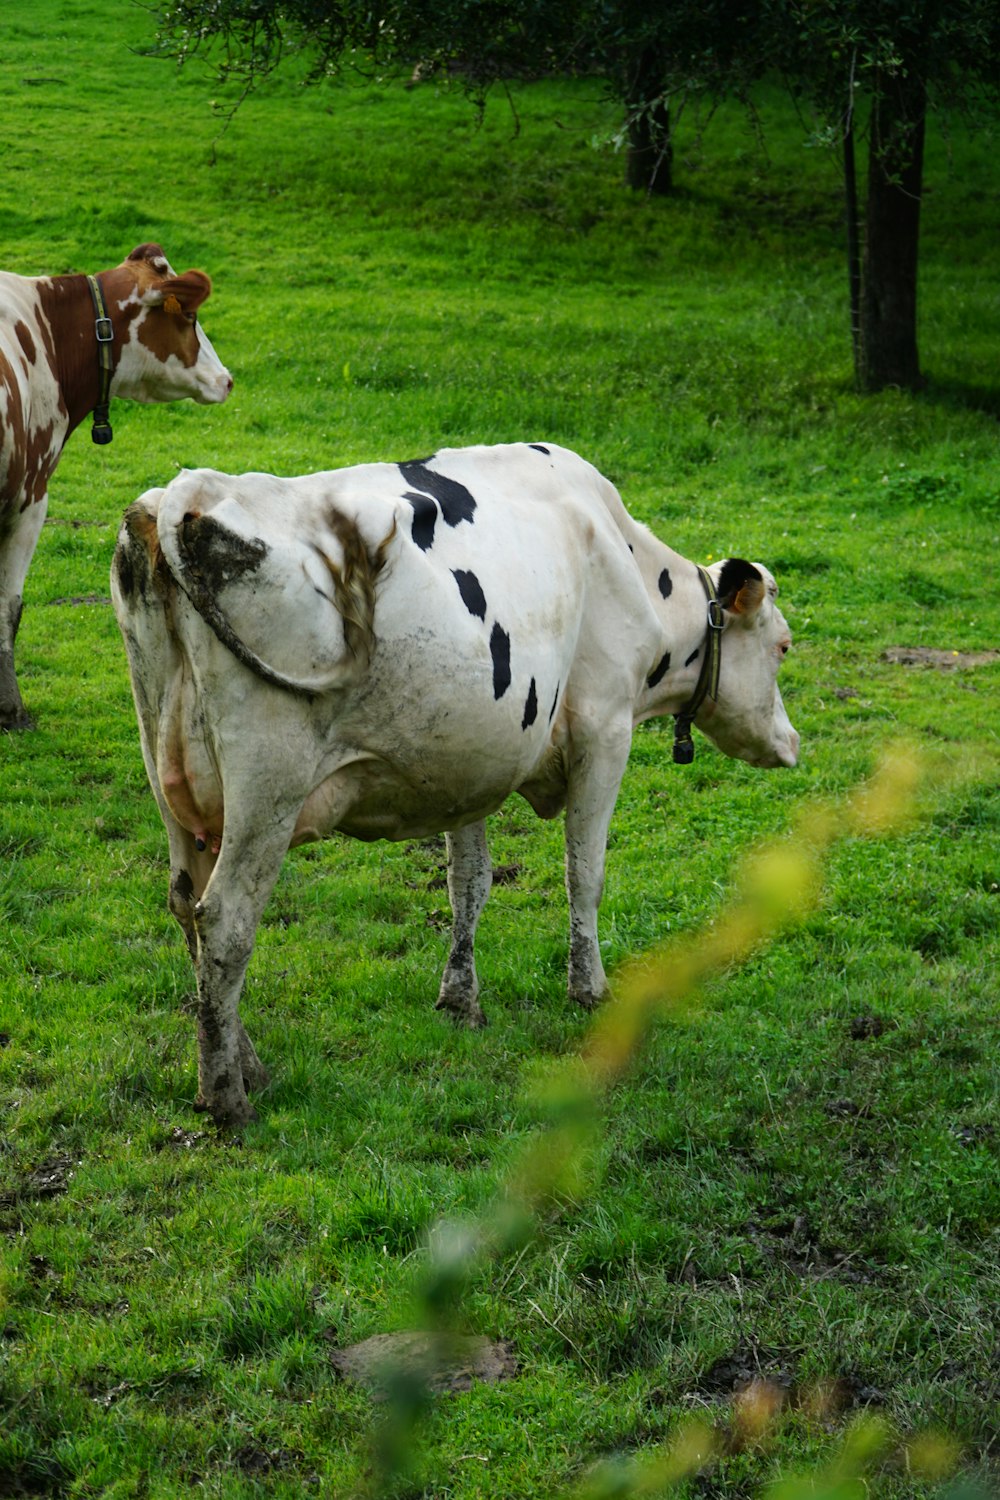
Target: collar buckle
[(104, 330)]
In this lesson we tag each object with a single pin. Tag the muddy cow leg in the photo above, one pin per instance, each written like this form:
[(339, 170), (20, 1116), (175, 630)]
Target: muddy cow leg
[(225, 922), (593, 789), (190, 871), (470, 875), (19, 533)]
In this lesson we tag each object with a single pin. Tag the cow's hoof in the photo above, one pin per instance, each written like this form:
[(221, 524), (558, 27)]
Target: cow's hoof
[(463, 1011)]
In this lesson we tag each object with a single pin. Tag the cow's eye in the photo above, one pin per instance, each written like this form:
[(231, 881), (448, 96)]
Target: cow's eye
[(784, 647), (192, 318)]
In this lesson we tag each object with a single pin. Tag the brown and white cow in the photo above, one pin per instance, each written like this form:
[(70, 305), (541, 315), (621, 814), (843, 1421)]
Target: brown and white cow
[(390, 651), (53, 339)]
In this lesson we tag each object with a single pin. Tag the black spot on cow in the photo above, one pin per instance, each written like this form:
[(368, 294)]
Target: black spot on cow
[(184, 885), (471, 591), (216, 555), (538, 448), (125, 571), (425, 514), (659, 671), (500, 652), (530, 707), (555, 703), (693, 656), (665, 583), (456, 503)]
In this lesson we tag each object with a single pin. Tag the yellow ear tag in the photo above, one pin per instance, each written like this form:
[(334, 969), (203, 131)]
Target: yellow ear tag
[(171, 304)]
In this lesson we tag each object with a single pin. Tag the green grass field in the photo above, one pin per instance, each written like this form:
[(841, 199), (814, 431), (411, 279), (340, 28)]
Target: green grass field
[(797, 1180)]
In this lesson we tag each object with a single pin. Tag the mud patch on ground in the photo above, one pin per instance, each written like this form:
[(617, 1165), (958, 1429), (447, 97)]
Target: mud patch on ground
[(47, 1180), (790, 1243), (254, 1460), (438, 1364), (943, 661), (82, 599), (757, 1383), (42, 1478), (867, 1028), (181, 1140)]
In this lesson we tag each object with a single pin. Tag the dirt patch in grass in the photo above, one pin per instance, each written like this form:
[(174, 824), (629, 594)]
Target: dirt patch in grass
[(24, 1479), (181, 1140), (944, 661), (754, 1375), (47, 1180), (251, 1459), (868, 1027), (82, 599), (441, 1364)]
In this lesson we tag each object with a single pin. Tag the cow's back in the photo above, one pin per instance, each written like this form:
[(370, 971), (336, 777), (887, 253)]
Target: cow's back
[(506, 606)]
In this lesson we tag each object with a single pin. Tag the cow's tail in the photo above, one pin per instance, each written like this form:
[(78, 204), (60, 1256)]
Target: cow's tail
[(353, 597)]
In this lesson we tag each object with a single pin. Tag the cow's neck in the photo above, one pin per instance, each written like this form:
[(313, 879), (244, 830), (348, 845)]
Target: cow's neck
[(69, 314), (678, 598)]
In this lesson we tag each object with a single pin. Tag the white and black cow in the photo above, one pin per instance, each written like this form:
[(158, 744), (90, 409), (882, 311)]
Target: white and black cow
[(390, 651), (67, 345)]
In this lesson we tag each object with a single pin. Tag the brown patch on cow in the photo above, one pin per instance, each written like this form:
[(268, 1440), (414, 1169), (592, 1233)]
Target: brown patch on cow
[(435, 1363), (169, 329), (138, 558), (40, 459), (149, 251), (354, 581), (944, 661), (27, 343), (170, 337)]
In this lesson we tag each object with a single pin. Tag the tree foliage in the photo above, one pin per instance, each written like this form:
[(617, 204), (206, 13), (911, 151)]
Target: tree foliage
[(874, 68)]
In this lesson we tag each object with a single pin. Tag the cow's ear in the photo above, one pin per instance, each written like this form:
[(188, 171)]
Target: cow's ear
[(188, 292), (741, 587)]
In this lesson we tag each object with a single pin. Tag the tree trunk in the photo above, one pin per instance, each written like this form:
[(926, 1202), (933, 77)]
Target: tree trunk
[(853, 241), (887, 352), (649, 161)]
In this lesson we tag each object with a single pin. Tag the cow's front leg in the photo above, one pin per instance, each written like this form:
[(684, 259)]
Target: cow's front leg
[(19, 532), (225, 921), (470, 875), (592, 792)]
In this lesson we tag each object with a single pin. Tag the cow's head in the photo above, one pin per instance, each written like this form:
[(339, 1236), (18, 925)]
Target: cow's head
[(164, 354), (748, 719)]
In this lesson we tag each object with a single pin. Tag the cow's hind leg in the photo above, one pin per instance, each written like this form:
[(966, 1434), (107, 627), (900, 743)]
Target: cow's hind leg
[(225, 921), (470, 875), (592, 792), (190, 871), (19, 532)]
